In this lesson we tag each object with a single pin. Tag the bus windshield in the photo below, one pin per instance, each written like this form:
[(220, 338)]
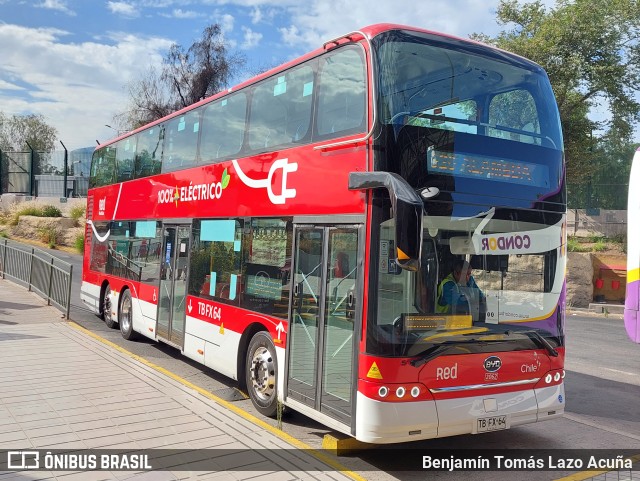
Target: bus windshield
[(468, 121), (476, 133), (480, 279)]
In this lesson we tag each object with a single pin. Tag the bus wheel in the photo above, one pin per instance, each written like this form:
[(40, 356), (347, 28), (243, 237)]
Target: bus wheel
[(106, 308), (125, 316), (261, 375)]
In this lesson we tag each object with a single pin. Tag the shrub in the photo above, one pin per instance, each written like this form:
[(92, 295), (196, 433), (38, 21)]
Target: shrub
[(50, 211)]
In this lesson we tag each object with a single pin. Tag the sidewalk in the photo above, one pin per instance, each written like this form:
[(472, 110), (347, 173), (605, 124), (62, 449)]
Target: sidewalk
[(62, 389)]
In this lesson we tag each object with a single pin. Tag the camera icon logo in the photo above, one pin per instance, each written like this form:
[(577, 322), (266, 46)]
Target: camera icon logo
[(23, 459)]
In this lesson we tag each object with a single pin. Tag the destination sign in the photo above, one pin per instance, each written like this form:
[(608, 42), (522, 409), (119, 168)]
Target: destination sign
[(487, 168)]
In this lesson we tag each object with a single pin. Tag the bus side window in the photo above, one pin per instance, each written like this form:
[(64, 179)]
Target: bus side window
[(281, 109), (181, 141), (125, 159), (223, 125), (342, 94), (103, 167), (148, 152)]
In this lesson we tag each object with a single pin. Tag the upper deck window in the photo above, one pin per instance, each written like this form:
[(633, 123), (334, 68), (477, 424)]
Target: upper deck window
[(223, 125), (281, 109), (451, 85), (471, 120), (181, 141), (149, 151), (342, 95)]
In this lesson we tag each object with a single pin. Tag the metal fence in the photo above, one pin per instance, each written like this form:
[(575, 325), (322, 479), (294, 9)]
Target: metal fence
[(40, 272), (45, 174)]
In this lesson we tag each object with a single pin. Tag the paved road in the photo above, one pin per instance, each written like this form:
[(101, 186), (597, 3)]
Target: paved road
[(602, 387)]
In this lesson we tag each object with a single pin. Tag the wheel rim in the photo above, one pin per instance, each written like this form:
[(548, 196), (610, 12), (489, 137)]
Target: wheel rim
[(106, 305), (263, 374), (125, 313)]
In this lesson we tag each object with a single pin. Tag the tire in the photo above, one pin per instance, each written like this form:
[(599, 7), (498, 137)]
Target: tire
[(106, 308), (125, 316), (261, 374)]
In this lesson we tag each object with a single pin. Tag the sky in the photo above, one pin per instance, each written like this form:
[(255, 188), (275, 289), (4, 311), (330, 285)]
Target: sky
[(72, 60)]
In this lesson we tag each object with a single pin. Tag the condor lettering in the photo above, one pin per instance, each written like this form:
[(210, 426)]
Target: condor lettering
[(506, 243)]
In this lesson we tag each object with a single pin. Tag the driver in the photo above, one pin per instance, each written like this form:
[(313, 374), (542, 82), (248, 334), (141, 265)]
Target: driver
[(450, 298)]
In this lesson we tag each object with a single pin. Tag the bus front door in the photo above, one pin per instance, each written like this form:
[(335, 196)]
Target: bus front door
[(173, 284), (321, 336)]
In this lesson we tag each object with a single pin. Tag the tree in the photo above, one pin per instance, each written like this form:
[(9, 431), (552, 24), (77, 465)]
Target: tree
[(590, 51), (18, 130), (185, 77)]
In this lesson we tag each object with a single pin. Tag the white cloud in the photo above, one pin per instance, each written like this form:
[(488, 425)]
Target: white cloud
[(4, 85), (226, 22), (123, 8), (59, 5), (76, 87), (290, 35), (183, 14), (320, 20), (251, 38), (256, 15)]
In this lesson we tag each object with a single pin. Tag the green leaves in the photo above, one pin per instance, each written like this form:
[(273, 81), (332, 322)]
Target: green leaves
[(225, 179), (591, 52)]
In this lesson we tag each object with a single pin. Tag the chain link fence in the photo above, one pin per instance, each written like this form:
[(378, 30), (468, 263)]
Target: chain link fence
[(45, 174)]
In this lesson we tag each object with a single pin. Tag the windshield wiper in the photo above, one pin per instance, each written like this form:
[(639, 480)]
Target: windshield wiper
[(435, 351), (536, 336), (430, 353)]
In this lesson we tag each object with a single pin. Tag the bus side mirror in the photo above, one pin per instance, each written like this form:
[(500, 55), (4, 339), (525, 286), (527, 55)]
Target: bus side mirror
[(407, 211)]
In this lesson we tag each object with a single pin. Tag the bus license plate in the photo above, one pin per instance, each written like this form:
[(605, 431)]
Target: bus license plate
[(494, 423)]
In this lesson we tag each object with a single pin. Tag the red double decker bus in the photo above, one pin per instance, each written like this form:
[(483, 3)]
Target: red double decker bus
[(373, 235)]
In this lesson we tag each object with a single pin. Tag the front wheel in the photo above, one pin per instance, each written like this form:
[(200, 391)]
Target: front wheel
[(125, 316), (106, 308), (261, 374)]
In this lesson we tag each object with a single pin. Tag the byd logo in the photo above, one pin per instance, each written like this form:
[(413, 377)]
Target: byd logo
[(492, 363)]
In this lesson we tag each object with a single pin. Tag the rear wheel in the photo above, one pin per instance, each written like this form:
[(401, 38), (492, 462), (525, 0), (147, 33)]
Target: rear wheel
[(261, 374), (107, 314), (125, 316)]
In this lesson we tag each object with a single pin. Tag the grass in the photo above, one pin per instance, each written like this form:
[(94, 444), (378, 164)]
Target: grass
[(574, 245), (49, 235), (79, 243), (596, 243), (599, 246)]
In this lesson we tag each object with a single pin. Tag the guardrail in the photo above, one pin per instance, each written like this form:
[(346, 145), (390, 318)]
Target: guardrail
[(39, 271)]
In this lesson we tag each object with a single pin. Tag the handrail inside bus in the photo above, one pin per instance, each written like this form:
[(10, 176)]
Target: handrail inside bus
[(373, 93)]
